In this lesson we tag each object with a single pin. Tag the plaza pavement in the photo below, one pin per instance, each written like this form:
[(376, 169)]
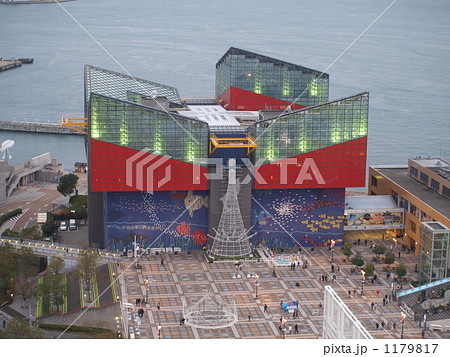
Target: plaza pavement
[(185, 278)]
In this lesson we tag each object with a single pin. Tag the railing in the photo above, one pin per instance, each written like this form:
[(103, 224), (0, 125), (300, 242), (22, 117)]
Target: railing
[(55, 249)]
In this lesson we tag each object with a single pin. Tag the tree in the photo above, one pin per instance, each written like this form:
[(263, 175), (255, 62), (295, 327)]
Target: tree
[(347, 250), (49, 227), (358, 260), (67, 184), (378, 250), (86, 265), (27, 270), (389, 258), (369, 269), (17, 328), (56, 283), (8, 267), (401, 270)]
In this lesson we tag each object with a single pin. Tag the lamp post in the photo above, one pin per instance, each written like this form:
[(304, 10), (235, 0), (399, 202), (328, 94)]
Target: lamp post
[(424, 325), (363, 279), (333, 242), (146, 290), (256, 285), (395, 245), (402, 321)]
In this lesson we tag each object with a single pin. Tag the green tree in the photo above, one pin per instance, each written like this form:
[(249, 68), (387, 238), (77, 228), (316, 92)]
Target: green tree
[(17, 328), (87, 262), (389, 258), (401, 270), (369, 269), (378, 250), (67, 184), (27, 270), (358, 260), (56, 283), (49, 227), (347, 250), (8, 268)]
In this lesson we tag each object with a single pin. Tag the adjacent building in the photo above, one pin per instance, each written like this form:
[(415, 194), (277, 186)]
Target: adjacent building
[(271, 153), (421, 188)]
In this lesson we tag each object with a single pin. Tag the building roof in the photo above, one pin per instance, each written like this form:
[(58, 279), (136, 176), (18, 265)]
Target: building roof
[(435, 226), (306, 109), (431, 162), (212, 114), (370, 202), (401, 177), (261, 58)]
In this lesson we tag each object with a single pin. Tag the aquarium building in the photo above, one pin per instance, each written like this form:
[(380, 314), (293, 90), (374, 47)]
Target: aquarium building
[(266, 162)]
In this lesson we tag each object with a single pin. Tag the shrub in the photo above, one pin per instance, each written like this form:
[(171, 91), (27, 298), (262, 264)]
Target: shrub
[(379, 249), (369, 269), (9, 215), (358, 261), (389, 258), (401, 270), (347, 249)]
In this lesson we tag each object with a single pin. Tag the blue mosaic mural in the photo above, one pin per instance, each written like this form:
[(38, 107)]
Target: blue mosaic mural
[(311, 216), (161, 219)]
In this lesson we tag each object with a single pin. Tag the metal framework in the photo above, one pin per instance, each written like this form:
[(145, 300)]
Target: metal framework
[(231, 238), (211, 312), (79, 124), (338, 321), (248, 142)]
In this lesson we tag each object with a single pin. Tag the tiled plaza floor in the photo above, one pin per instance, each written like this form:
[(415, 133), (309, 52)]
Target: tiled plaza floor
[(184, 279)]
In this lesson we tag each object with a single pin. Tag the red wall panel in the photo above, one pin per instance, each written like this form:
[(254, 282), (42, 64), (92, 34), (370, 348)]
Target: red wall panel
[(239, 99), (341, 165), (109, 171)]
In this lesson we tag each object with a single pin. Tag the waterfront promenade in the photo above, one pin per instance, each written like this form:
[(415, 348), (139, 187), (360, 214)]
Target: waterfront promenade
[(185, 278)]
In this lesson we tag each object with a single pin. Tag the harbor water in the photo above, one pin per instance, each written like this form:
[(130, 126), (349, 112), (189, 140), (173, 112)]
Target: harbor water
[(401, 60)]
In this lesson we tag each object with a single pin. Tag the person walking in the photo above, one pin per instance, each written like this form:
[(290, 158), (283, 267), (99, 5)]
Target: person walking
[(372, 304), (281, 304), (265, 307), (249, 316), (394, 325), (158, 306), (290, 329), (162, 261), (377, 325), (296, 328)]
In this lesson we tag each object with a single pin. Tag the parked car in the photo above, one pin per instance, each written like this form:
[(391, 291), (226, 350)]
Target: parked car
[(72, 225), (63, 226)]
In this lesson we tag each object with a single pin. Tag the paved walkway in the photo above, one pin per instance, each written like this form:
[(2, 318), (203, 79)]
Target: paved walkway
[(184, 279)]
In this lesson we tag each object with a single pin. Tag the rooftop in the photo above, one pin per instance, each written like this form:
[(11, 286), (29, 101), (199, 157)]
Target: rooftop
[(215, 115), (370, 202), (401, 177)]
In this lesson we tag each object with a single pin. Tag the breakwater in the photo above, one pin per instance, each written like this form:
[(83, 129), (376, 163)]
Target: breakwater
[(36, 127)]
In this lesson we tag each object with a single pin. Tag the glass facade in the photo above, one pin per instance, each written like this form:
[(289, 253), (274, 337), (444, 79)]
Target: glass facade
[(270, 77), (138, 127), (124, 87), (434, 252), (312, 128)]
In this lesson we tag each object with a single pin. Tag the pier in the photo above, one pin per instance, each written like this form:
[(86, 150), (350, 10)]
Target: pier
[(4, 65), (36, 127)]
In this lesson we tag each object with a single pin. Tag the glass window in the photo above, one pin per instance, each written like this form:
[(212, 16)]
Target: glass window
[(374, 181), (435, 185), (424, 178)]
